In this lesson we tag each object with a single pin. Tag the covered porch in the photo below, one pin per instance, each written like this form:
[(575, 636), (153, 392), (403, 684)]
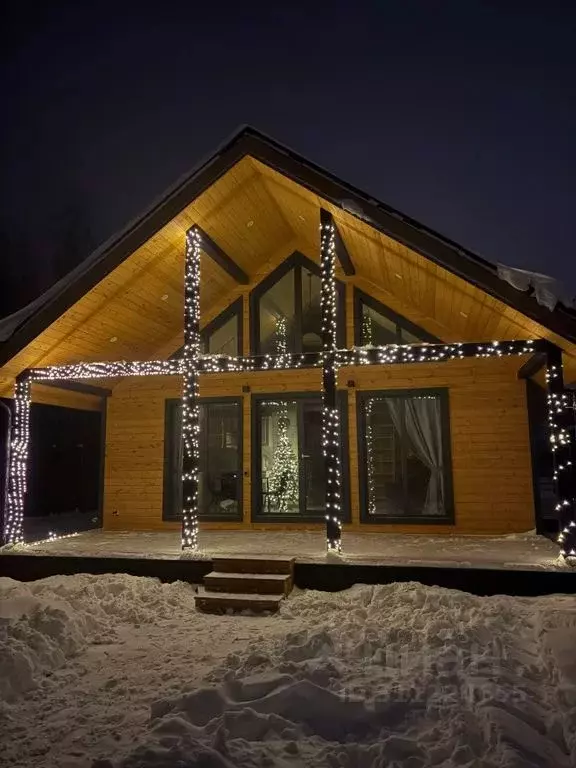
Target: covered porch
[(511, 552)]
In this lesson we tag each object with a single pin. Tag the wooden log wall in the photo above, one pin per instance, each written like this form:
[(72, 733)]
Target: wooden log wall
[(492, 474)]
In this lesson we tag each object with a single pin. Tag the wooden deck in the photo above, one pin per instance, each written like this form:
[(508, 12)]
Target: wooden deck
[(516, 565)]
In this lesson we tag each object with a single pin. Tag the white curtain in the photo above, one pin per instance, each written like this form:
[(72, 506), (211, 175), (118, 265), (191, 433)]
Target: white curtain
[(424, 428)]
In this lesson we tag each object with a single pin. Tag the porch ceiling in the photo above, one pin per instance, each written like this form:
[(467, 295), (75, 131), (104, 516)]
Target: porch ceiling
[(258, 217)]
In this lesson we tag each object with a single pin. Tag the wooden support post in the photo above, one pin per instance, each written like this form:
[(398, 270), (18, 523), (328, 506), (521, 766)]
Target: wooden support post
[(17, 466), (532, 366), (330, 414), (190, 408), (561, 423)]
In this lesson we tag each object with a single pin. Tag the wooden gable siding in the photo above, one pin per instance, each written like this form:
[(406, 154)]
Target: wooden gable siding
[(492, 475), (258, 216), (438, 300)]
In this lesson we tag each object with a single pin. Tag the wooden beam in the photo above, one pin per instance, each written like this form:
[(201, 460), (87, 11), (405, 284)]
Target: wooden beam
[(75, 386), (531, 367), (220, 257), (342, 253)]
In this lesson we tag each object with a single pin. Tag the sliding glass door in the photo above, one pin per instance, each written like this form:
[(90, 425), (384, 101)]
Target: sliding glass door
[(289, 473)]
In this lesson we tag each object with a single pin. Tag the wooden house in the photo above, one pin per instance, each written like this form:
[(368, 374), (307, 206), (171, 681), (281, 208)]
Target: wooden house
[(449, 434)]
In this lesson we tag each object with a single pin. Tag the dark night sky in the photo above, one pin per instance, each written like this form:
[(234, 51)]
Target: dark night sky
[(462, 114)]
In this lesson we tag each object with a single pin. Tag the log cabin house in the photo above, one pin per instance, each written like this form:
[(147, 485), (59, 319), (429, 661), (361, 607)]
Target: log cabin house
[(341, 366)]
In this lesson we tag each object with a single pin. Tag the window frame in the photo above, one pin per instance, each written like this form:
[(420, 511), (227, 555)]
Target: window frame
[(443, 394), (172, 488), (235, 308), (361, 298), (256, 449), (298, 262)]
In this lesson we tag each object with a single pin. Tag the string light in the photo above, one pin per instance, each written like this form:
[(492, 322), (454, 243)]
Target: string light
[(560, 419), (370, 458), (190, 408), (192, 364), (18, 463), (330, 414), (284, 474), (51, 537)]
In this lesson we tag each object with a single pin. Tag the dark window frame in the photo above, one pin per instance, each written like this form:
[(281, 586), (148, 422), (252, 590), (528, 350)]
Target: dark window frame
[(235, 308), (443, 394), (172, 487), (298, 262), (361, 298), (255, 446)]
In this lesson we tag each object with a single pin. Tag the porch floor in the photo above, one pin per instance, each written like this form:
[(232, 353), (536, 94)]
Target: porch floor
[(516, 551)]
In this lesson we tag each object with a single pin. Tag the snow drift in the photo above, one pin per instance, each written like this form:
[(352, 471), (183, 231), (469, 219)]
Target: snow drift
[(395, 675), (45, 623)]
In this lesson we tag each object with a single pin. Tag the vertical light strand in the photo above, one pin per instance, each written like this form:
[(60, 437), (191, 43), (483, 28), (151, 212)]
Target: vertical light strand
[(284, 473), (190, 408), (17, 469), (371, 489), (560, 421), (330, 414)]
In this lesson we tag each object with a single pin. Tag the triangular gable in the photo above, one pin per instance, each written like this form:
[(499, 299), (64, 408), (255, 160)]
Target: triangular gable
[(374, 234)]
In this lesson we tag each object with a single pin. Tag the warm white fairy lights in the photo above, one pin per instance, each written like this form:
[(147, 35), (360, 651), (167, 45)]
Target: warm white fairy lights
[(371, 489), (106, 370), (433, 353), (330, 414), (190, 408), (51, 537), (193, 364), (284, 472), (560, 421), (18, 463)]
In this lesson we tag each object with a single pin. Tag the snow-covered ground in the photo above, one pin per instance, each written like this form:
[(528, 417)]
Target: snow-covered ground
[(521, 550), (116, 670)]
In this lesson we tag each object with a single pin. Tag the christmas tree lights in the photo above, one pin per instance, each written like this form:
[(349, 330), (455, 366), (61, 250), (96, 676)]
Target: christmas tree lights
[(284, 474)]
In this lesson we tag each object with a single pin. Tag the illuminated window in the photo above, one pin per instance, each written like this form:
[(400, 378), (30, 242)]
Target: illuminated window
[(377, 325), (286, 312)]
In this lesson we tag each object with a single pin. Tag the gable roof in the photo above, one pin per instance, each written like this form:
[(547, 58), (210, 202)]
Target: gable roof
[(22, 327)]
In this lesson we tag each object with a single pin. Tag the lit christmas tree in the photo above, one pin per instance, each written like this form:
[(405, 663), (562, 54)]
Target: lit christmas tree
[(284, 474), (366, 329)]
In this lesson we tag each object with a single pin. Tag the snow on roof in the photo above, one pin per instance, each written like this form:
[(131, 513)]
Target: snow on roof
[(547, 291)]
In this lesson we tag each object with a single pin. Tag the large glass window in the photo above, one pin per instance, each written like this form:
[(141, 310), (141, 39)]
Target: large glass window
[(377, 325), (289, 474), (405, 456), (223, 336), (220, 470), (285, 309), (224, 340), (277, 315)]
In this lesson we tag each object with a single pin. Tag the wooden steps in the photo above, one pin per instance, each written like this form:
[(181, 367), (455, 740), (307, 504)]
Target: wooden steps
[(256, 583)]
